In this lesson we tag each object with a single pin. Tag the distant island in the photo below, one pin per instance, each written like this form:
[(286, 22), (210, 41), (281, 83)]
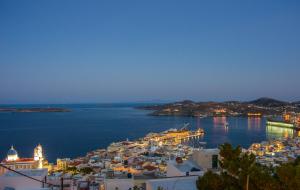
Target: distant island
[(256, 108), (29, 110)]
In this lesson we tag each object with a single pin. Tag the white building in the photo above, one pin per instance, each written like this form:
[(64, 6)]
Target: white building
[(200, 161), (174, 183), (207, 159), (17, 182), (118, 184), (38, 155), (185, 168), (13, 161)]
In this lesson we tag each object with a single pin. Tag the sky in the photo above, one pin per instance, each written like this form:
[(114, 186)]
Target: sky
[(159, 50)]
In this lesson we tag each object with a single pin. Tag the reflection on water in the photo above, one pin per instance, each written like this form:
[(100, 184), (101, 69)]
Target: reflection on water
[(198, 122), (254, 123), (276, 132), (221, 122)]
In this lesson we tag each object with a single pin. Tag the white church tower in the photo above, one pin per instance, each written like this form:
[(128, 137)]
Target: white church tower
[(38, 155)]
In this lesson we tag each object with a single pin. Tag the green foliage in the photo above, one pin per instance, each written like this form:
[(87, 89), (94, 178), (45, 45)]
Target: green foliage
[(288, 175), (210, 181), (71, 169), (86, 170), (237, 167), (261, 178)]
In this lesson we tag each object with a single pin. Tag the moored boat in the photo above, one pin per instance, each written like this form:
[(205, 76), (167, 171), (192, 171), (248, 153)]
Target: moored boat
[(281, 123)]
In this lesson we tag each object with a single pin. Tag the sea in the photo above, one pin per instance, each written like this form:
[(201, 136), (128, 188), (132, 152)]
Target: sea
[(89, 127)]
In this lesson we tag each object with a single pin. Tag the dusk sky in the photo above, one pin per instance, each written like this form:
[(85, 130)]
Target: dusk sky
[(126, 51)]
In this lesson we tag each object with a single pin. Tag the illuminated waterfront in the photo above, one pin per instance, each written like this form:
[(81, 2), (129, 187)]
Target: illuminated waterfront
[(89, 127)]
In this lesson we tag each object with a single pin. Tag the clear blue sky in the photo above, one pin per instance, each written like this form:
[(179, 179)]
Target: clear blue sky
[(116, 51)]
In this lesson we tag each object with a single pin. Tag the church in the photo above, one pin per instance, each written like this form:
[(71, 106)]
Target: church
[(14, 162)]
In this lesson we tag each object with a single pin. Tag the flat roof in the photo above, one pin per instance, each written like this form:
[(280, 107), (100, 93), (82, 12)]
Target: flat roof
[(186, 166), (31, 173), (175, 183)]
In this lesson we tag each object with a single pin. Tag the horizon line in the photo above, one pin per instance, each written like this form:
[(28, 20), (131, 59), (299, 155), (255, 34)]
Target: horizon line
[(141, 102)]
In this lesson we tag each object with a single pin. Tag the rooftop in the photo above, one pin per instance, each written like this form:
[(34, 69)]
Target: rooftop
[(174, 183), (32, 173), (186, 166), (19, 160)]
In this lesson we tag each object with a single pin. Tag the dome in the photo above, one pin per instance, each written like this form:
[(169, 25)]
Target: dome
[(12, 152)]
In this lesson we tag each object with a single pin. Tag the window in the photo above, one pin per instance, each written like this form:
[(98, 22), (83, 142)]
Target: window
[(214, 161)]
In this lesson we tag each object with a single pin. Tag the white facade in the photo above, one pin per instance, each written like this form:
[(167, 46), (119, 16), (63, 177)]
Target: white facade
[(118, 184), (18, 182), (174, 183), (205, 158), (38, 155), (175, 169), (201, 161)]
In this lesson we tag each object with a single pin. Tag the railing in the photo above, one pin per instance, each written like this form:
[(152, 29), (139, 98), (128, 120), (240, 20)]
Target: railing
[(44, 182)]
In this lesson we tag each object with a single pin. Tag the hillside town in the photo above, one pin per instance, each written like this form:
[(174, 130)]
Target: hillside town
[(158, 160), (122, 165), (275, 152), (257, 108)]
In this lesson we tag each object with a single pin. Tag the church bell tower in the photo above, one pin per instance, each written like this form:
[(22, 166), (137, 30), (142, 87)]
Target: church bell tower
[(38, 155)]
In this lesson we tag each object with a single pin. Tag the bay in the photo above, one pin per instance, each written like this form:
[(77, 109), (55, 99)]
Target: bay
[(91, 126)]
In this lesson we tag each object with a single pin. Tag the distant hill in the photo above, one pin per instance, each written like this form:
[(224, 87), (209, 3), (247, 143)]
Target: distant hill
[(263, 106), (297, 103), (185, 102), (268, 102)]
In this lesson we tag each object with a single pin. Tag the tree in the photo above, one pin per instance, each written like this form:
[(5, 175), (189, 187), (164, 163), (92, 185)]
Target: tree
[(210, 181), (240, 171), (288, 175), (230, 158), (237, 164), (86, 170), (261, 178)]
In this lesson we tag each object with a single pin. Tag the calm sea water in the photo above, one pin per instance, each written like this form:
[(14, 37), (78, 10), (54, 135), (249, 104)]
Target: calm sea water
[(93, 126)]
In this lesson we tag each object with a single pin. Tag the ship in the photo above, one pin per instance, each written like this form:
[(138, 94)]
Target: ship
[(289, 120), (280, 123)]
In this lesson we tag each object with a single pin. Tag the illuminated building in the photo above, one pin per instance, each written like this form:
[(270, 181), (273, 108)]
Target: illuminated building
[(254, 114), (38, 156), (14, 162), (62, 164), (286, 117), (12, 154), (220, 111), (292, 117)]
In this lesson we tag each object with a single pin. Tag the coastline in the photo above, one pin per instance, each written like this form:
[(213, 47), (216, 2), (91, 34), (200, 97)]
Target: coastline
[(33, 110), (97, 127)]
